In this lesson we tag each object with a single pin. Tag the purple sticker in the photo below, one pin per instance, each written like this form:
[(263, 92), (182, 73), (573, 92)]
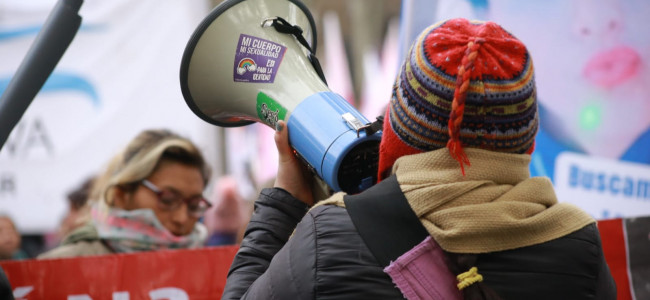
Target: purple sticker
[(257, 60)]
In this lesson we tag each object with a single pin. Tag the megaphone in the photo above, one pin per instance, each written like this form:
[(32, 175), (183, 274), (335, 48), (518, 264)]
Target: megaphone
[(249, 61)]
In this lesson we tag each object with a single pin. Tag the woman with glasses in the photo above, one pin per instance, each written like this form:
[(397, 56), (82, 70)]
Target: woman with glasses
[(149, 198)]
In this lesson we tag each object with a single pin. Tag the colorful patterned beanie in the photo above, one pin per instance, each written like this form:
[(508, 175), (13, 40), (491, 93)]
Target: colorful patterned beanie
[(463, 84)]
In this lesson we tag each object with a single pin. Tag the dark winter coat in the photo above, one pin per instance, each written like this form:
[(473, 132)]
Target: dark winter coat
[(327, 259)]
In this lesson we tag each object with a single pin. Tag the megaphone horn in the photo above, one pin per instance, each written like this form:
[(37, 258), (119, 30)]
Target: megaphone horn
[(249, 61)]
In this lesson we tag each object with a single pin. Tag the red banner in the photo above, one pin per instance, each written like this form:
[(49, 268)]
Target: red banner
[(169, 275), (626, 243), (613, 240), (201, 274)]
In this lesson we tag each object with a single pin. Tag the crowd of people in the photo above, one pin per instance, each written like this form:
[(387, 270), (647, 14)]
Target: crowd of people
[(455, 152)]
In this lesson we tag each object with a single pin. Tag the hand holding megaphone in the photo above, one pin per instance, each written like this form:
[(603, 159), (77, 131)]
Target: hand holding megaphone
[(249, 61), (292, 175)]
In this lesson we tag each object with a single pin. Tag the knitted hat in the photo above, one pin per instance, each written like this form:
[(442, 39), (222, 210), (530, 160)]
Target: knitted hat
[(463, 84)]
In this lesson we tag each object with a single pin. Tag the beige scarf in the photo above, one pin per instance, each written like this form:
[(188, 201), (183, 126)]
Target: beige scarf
[(495, 207)]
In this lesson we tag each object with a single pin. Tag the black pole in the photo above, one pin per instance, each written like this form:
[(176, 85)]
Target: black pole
[(51, 42)]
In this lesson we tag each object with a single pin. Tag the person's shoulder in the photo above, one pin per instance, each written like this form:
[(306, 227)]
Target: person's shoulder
[(81, 248), (86, 232), (20, 254), (326, 209), (330, 215), (333, 203)]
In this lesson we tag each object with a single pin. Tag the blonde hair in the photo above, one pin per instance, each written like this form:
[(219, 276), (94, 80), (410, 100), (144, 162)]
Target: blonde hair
[(140, 159)]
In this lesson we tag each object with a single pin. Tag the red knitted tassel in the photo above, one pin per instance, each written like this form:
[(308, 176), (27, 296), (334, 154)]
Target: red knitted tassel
[(458, 153)]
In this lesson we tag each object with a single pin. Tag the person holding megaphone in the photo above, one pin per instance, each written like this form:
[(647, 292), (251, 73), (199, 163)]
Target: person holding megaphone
[(455, 213)]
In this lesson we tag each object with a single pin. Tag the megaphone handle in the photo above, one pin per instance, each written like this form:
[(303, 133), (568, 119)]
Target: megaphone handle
[(305, 162), (320, 189)]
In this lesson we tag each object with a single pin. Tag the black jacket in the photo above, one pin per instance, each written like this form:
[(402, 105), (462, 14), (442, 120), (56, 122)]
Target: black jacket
[(327, 259)]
